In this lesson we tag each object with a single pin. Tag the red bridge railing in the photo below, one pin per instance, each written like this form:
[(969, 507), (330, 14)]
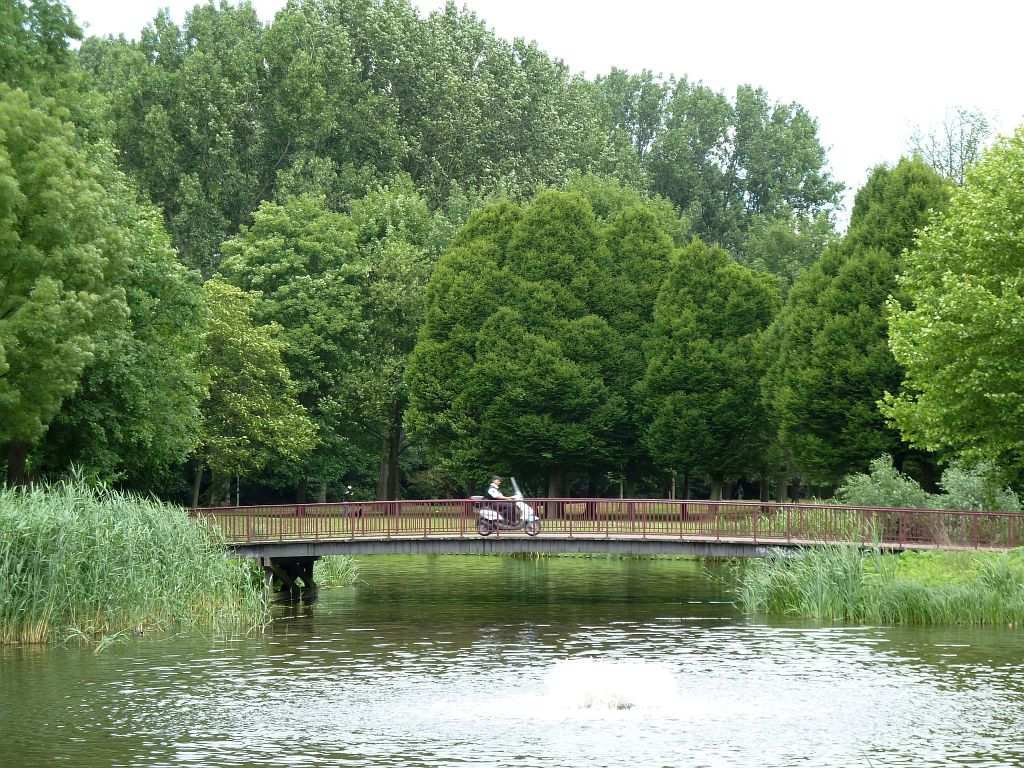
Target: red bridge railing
[(698, 520)]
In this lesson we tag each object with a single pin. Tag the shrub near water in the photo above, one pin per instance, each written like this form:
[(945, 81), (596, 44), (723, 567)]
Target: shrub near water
[(75, 561), (910, 588)]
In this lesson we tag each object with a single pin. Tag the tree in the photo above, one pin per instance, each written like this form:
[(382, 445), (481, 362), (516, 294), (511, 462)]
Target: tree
[(785, 245), (725, 163), (700, 398), (302, 261), (512, 365), (251, 416), (188, 117), (829, 360), (398, 242), (960, 332), (633, 104), (34, 43), (955, 145), (135, 412), (61, 255)]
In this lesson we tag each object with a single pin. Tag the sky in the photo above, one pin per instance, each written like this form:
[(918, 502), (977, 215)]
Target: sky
[(869, 72)]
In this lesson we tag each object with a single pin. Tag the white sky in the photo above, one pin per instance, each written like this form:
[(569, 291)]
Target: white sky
[(868, 71)]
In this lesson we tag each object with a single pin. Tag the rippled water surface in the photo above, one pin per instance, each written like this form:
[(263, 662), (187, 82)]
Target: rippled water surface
[(447, 661)]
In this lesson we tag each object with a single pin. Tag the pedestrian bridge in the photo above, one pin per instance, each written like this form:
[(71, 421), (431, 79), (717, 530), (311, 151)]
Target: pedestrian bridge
[(288, 539)]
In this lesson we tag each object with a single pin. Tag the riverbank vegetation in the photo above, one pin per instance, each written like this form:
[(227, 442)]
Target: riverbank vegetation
[(360, 245), (935, 587), (845, 583), (93, 564), (336, 571)]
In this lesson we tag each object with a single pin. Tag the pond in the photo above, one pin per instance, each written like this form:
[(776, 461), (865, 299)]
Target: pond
[(491, 661)]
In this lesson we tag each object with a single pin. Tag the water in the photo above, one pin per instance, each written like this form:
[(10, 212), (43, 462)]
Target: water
[(487, 661)]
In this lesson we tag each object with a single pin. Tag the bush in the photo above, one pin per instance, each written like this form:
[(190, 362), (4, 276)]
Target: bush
[(883, 486), (978, 487)]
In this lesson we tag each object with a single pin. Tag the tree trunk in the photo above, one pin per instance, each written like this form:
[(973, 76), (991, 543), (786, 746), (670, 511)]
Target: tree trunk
[(220, 489), (780, 488), (17, 459), (686, 484), (716, 489), (558, 483), (387, 482), (321, 493), (300, 492), (764, 488), (197, 483)]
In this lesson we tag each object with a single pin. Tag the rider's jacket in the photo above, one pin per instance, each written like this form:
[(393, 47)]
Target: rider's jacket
[(494, 491)]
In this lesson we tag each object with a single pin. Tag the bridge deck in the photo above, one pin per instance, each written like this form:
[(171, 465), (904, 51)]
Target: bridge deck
[(630, 526)]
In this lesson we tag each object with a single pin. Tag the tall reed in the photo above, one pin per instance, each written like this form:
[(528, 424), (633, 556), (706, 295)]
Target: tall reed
[(93, 563), (844, 583), (336, 571)]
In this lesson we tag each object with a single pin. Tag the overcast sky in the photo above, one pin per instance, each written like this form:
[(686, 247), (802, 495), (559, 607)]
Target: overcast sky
[(868, 71)]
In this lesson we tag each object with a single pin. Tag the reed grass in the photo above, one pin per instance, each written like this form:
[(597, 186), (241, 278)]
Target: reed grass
[(845, 583), (94, 564), (336, 571)]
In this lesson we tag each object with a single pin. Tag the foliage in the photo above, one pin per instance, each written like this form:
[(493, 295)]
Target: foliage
[(135, 412), (786, 244), (723, 163), (828, 353), (250, 417), (961, 328), (519, 363), (700, 391), (86, 563), (883, 486), (335, 571), (978, 487), (61, 255)]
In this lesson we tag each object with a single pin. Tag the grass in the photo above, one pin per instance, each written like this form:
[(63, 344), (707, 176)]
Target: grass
[(845, 583), (336, 571), (96, 565)]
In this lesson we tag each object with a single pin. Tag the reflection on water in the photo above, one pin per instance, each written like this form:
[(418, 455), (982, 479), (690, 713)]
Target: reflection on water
[(439, 661)]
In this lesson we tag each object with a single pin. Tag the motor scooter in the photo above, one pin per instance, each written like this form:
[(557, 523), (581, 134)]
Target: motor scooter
[(494, 515)]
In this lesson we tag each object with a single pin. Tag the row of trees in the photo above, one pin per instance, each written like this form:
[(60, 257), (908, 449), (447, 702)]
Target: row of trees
[(270, 250)]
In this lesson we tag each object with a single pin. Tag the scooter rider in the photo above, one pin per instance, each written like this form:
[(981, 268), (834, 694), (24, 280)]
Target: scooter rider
[(494, 492)]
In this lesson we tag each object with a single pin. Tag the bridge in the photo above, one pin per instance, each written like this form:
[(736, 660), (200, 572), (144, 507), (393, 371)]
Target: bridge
[(288, 539)]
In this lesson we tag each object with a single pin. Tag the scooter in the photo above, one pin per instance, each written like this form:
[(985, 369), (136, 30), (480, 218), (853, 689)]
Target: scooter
[(495, 515)]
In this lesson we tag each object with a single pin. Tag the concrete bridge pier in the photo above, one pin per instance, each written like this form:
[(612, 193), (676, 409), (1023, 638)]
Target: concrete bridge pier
[(290, 571)]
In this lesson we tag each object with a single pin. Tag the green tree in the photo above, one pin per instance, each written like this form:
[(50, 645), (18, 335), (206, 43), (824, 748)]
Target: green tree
[(511, 368), (251, 416), (786, 245), (61, 254), (725, 163), (187, 112), (302, 261), (829, 360), (135, 412), (700, 397), (960, 331), (35, 52), (398, 243)]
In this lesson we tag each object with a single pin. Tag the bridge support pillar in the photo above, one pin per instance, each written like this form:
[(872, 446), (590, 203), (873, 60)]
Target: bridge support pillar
[(290, 571)]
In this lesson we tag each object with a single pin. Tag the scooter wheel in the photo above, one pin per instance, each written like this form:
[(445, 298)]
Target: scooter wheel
[(532, 527), (483, 527)]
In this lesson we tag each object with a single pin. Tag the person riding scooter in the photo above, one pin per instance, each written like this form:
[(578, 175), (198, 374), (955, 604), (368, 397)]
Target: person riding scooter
[(498, 512), (505, 509)]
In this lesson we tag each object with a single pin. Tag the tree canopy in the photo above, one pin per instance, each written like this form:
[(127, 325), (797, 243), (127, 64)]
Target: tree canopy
[(960, 332)]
